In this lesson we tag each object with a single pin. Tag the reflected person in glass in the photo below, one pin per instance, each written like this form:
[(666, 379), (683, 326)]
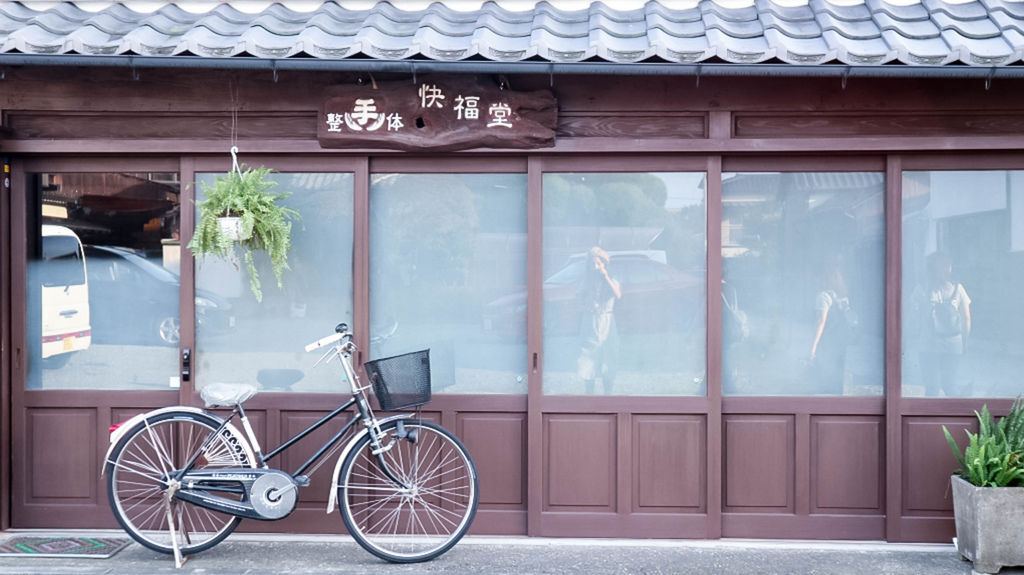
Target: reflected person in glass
[(944, 309), (597, 293), (834, 331)]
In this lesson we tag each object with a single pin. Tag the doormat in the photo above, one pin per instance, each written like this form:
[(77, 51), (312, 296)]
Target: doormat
[(79, 547)]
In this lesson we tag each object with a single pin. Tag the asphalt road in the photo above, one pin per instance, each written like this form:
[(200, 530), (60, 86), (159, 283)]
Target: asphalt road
[(301, 555)]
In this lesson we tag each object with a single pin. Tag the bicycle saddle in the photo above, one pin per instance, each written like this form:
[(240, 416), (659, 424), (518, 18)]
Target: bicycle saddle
[(227, 394)]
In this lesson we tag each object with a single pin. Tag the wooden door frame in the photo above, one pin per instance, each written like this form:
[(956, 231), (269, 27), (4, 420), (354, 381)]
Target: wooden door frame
[(459, 412), (108, 405), (901, 524), (5, 346), (804, 409), (540, 404)]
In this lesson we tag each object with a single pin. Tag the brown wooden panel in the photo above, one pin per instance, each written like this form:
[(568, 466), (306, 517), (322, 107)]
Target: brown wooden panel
[(115, 126), (759, 462), (123, 414), (62, 462), (928, 463), (846, 464), (669, 463), (839, 125), (632, 126), (497, 444), (293, 422), (580, 461), (818, 527)]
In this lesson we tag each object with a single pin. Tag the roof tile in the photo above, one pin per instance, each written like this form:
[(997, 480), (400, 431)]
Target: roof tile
[(866, 52), (916, 29), (920, 50), (977, 33), (975, 28), (799, 50), (850, 29)]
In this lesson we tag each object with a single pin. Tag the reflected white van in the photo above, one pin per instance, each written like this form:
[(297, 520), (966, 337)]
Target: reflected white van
[(65, 295)]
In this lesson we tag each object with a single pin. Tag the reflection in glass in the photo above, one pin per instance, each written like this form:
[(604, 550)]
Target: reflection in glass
[(448, 273), (102, 281), (263, 342), (963, 271), (624, 294), (803, 260)]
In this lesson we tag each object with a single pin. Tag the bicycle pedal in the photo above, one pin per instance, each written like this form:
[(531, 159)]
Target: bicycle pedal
[(301, 480)]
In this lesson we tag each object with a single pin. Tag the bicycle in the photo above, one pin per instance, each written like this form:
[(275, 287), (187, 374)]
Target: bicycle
[(180, 479)]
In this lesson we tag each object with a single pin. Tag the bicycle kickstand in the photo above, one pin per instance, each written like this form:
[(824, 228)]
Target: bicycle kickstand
[(179, 561)]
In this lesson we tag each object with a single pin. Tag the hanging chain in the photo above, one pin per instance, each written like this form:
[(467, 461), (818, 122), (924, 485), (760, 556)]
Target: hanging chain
[(234, 128)]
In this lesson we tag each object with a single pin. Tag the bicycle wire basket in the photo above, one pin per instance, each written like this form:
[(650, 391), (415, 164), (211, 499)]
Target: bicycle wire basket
[(402, 381)]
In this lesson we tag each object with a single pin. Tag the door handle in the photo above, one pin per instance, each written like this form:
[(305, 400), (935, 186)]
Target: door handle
[(186, 364)]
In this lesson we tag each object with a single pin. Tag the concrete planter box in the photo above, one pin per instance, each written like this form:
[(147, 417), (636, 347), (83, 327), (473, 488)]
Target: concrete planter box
[(989, 525)]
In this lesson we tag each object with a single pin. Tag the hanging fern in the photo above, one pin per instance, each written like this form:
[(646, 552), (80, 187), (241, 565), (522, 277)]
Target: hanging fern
[(266, 224)]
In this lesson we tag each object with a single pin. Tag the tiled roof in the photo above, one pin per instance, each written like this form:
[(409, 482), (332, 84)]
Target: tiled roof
[(934, 32)]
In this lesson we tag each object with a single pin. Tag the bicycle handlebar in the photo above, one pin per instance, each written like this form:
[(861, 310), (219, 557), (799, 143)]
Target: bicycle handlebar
[(340, 332), (325, 341)]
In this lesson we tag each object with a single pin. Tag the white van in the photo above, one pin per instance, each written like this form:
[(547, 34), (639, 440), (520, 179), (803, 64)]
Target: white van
[(65, 296)]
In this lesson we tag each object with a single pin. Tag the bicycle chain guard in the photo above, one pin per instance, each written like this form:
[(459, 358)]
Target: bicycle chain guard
[(270, 493), (273, 495)]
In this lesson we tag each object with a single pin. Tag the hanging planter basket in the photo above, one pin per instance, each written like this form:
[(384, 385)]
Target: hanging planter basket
[(241, 210), (231, 227)]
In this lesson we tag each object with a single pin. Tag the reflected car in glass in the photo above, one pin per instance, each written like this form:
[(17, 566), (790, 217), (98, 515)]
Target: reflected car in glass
[(135, 301), (64, 298), (656, 298)]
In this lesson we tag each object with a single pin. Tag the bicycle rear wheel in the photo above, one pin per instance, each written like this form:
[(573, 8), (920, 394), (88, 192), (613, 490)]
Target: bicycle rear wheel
[(138, 470), (427, 516)]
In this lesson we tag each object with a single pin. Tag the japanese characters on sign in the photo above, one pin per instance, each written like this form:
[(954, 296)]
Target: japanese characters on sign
[(454, 114), (365, 115)]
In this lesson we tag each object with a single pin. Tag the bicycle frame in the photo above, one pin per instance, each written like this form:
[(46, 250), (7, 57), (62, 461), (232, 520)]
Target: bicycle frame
[(215, 481)]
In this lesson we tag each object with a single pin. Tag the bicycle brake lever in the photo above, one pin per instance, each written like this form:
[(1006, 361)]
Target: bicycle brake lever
[(328, 356)]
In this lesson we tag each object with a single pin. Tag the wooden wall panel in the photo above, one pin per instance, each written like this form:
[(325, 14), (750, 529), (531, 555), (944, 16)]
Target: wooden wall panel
[(846, 464), (626, 125), (928, 463), (123, 414), (62, 462), (292, 422), (759, 463), (669, 453), (497, 444), (581, 462), (818, 125), (116, 126)]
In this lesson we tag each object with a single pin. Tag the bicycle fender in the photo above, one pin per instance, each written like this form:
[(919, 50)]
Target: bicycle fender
[(332, 500), (117, 434)]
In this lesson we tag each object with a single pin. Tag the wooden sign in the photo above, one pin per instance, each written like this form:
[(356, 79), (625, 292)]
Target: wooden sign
[(436, 114)]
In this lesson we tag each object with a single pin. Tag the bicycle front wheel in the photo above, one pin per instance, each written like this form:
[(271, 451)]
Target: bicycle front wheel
[(427, 513), (138, 473)]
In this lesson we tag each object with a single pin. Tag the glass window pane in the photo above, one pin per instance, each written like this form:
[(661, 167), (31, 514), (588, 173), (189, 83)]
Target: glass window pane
[(963, 252), (803, 266), (241, 340), (624, 289), (448, 273), (102, 244)]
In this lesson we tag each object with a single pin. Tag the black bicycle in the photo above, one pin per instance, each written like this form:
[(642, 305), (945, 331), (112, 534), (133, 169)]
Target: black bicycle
[(180, 479)]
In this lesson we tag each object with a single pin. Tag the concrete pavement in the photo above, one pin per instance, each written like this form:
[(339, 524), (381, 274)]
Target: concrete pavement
[(312, 554)]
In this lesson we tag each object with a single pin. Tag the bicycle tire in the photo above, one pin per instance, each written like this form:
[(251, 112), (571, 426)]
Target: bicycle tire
[(423, 522), (135, 485)]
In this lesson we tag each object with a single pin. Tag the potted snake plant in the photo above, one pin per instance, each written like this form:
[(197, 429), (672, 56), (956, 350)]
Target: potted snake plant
[(240, 209), (988, 491)]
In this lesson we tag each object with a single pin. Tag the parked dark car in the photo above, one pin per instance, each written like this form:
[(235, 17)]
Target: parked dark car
[(135, 300), (656, 298)]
